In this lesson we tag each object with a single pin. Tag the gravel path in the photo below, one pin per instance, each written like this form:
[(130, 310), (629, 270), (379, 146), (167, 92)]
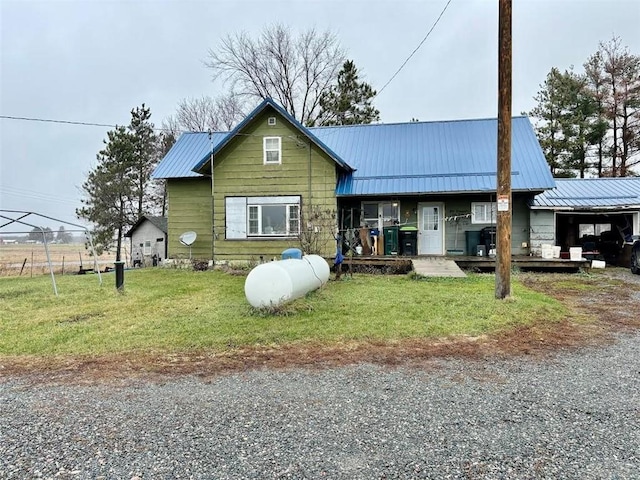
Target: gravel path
[(575, 415)]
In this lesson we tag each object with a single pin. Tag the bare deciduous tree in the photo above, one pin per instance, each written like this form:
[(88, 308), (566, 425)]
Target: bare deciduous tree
[(208, 114), (294, 70)]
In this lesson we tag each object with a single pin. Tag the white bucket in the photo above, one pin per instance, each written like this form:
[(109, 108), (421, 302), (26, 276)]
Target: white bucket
[(556, 252), (598, 264), (359, 250), (547, 251), (575, 253)]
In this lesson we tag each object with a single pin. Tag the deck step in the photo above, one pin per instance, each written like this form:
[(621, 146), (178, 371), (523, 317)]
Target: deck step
[(436, 267)]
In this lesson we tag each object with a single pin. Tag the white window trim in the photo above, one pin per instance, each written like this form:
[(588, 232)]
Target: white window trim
[(484, 221), (146, 249), (237, 215), (286, 206), (380, 219), (265, 150)]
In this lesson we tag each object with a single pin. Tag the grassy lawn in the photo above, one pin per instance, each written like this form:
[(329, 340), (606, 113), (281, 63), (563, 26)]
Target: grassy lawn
[(183, 311)]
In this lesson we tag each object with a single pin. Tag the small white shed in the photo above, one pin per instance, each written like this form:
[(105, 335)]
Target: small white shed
[(148, 241)]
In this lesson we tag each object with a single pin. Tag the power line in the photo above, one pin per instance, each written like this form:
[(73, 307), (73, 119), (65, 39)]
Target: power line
[(50, 120), (71, 122), (42, 196), (415, 49)]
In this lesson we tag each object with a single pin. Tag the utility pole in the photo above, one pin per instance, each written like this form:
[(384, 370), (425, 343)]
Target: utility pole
[(503, 232)]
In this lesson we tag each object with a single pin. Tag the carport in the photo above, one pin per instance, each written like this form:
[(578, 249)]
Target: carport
[(600, 215)]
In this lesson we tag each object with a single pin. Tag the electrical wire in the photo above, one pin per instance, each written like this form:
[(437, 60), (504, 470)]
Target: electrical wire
[(415, 49), (92, 124), (50, 120), (18, 192), (74, 122)]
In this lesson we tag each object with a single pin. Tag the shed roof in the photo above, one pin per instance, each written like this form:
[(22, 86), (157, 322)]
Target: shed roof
[(159, 222), (398, 159), (591, 194)]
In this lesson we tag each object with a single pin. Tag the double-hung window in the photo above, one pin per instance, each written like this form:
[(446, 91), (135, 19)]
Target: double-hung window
[(248, 217), (483, 212), (272, 150)]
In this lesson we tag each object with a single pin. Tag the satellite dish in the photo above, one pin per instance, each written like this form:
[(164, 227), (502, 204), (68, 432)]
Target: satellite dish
[(187, 238)]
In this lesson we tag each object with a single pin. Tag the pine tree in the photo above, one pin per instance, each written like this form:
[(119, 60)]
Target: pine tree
[(145, 157), (550, 113), (349, 101), (569, 123), (581, 124), (110, 190), (118, 191)]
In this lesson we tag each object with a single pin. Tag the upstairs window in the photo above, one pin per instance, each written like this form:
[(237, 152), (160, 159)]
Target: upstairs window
[(272, 150), (483, 212)]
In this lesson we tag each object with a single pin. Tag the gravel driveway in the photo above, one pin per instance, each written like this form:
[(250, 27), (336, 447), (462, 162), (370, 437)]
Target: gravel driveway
[(572, 415)]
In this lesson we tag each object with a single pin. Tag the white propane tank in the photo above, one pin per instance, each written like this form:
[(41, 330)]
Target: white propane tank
[(278, 282)]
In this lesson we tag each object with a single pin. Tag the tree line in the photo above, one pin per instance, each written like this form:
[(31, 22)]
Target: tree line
[(308, 74), (588, 121), (62, 236)]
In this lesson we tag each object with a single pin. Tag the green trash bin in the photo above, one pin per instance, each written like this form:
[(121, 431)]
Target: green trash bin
[(409, 241), (472, 240), (390, 240)]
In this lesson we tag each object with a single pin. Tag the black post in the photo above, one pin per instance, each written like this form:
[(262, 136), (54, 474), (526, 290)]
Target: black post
[(120, 275)]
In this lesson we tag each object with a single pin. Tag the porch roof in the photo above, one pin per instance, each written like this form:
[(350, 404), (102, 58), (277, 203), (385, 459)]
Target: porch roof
[(591, 194)]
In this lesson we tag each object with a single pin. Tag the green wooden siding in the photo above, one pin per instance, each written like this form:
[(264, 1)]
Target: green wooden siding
[(189, 202), (239, 170)]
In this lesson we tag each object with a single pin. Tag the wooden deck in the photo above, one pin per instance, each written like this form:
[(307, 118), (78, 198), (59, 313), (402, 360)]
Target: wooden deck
[(523, 263), (483, 264)]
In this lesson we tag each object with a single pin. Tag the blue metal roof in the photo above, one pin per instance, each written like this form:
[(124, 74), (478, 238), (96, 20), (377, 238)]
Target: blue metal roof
[(185, 153), (434, 157), (591, 194), (397, 159)]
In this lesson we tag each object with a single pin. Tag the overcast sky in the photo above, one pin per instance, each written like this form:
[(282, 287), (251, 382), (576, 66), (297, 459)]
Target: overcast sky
[(93, 61)]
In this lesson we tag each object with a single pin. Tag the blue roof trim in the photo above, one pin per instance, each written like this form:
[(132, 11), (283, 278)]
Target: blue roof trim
[(591, 194), (258, 110)]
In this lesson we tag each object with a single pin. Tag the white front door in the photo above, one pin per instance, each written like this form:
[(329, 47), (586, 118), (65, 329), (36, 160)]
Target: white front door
[(431, 229)]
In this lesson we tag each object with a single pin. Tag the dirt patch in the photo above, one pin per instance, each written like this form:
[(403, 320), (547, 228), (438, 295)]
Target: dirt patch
[(601, 304)]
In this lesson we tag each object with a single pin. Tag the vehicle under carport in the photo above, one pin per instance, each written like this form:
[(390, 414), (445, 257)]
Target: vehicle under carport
[(601, 215)]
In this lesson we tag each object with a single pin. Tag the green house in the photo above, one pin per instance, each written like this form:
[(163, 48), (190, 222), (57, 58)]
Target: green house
[(276, 184)]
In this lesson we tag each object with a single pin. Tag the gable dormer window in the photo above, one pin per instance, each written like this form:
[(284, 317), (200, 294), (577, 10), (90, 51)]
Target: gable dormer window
[(272, 150)]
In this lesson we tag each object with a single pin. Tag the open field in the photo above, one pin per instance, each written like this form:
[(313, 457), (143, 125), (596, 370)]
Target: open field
[(13, 256)]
